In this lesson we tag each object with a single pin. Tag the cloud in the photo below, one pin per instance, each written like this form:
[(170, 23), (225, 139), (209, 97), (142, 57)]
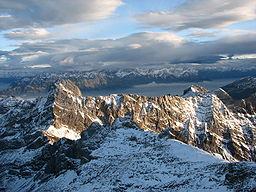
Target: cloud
[(204, 34), (2, 59), (50, 13), (40, 66), (135, 46), (201, 14), (220, 32), (137, 50), (244, 56), (29, 34)]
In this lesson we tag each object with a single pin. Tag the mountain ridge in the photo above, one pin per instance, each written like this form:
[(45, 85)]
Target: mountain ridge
[(200, 120), (114, 79), (70, 142)]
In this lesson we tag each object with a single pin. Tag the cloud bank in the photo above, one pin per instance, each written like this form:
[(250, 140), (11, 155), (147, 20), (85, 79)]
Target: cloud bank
[(29, 34), (137, 50), (50, 13), (200, 14)]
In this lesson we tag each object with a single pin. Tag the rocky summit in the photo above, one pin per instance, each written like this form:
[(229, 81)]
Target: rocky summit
[(126, 142), (197, 118)]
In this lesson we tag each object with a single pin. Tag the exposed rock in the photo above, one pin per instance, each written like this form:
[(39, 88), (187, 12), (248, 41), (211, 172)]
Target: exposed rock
[(240, 96), (242, 88), (194, 90), (121, 159), (99, 143), (202, 120)]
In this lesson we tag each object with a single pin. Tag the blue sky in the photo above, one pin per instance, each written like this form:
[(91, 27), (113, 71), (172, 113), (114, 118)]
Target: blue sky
[(32, 32), (121, 23)]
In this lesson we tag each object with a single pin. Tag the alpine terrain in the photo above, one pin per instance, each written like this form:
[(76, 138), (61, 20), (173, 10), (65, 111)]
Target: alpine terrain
[(201, 141)]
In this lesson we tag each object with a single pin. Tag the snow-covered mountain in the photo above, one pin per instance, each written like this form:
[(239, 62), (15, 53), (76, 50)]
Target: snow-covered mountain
[(240, 96), (68, 142), (242, 88), (115, 79), (120, 158)]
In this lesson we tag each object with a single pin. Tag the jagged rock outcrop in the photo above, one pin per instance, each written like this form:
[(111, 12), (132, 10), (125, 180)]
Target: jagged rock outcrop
[(68, 112), (240, 96), (99, 142), (242, 88), (121, 158), (202, 120), (245, 106), (194, 90)]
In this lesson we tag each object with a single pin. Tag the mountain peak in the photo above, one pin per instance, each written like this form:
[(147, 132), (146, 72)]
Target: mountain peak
[(195, 118), (106, 130), (69, 87), (67, 110), (201, 120), (194, 90), (241, 88)]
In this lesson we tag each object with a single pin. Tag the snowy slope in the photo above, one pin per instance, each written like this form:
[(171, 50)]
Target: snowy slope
[(241, 88), (129, 159), (198, 118), (122, 143)]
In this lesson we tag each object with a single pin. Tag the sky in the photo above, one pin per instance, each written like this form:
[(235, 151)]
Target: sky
[(84, 34)]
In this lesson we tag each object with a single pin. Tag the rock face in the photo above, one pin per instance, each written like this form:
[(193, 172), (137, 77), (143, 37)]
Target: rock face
[(94, 140), (240, 96), (242, 88), (202, 120), (199, 118), (194, 90), (68, 112), (120, 158)]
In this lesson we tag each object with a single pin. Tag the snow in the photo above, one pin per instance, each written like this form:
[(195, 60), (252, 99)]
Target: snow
[(97, 120), (63, 132), (146, 163), (112, 99), (128, 159), (19, 156)]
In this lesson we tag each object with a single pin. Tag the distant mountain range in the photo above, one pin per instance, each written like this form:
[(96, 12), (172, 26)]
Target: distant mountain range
[(115, 79), (67, 142)]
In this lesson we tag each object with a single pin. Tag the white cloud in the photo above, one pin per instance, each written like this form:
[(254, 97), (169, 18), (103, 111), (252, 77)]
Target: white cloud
[(135, 46), (244, 56), (203, 33), (67, 61), (201, 14), (3, 59), (39, 66), (156, 37), (28, 34), (219, 32), (140, 49), (49, 13)]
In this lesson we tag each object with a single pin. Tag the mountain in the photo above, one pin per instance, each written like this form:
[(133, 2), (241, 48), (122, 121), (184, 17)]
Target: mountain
[(201, 120), (108, 79), (242, 88), (240, 96), (120, 158), (40, 83), (68, 142)]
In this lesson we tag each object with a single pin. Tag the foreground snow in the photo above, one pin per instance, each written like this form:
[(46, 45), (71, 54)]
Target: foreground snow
[(129, 159), (103, 143)]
